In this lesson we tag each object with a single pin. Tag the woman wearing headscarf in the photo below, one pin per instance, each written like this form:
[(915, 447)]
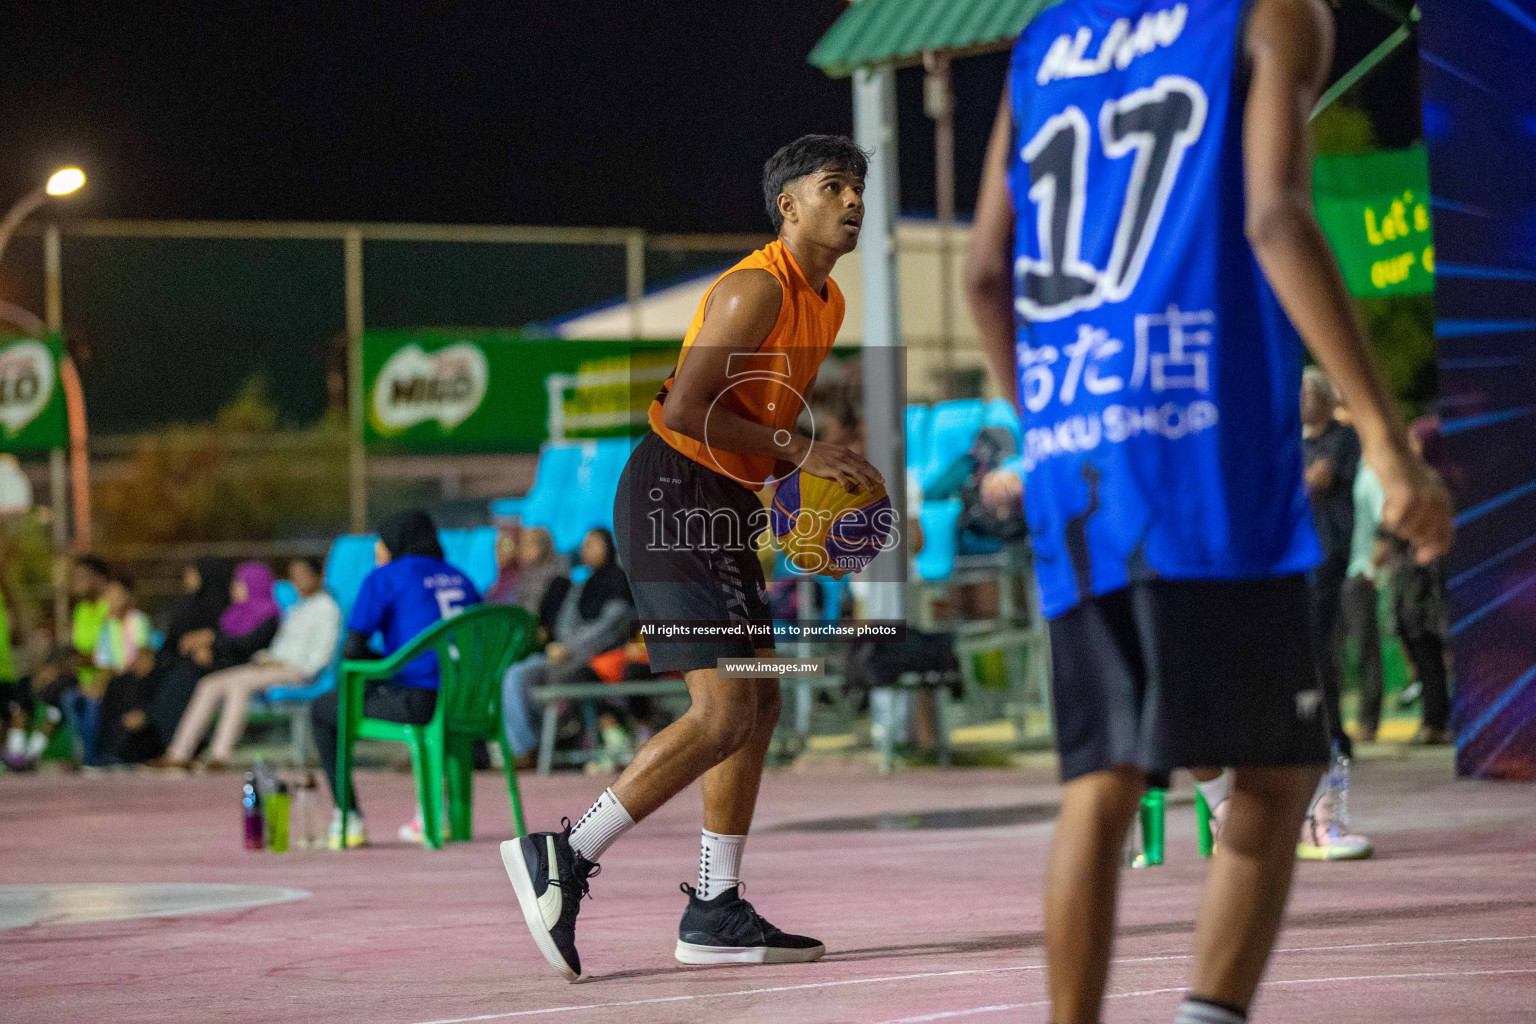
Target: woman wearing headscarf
[(536, 580), (304, 645), (593, 618), (245, 627), (412, 589), (124, 708)]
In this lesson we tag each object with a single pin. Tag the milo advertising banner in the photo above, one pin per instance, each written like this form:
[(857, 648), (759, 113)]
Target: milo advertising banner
[(1374, 208), (468, 391), (32, 415)]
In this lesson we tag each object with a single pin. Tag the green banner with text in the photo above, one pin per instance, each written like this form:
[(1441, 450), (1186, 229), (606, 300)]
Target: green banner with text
[(32, 412), (497, 391), (1374, 208)]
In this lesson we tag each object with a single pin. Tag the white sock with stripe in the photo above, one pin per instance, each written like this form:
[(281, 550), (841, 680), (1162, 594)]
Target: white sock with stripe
[(600, 827), (719, 863), (1199, 1011)]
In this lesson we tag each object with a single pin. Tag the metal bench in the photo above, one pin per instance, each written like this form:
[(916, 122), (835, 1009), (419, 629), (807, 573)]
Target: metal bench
[(550, 696)]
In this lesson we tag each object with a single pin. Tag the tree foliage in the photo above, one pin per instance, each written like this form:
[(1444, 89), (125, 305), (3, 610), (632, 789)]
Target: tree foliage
[(237, 478)]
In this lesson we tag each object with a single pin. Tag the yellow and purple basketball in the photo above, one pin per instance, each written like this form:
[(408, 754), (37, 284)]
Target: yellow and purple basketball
[(826, 530)]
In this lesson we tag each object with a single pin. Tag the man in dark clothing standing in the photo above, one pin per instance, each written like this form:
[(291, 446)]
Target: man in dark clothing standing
[(1331, 453)]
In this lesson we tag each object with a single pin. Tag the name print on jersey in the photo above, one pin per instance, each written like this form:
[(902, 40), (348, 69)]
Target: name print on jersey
[(1067, 57)]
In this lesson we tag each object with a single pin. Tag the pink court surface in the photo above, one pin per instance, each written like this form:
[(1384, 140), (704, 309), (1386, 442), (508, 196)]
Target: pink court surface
[(924, 885)]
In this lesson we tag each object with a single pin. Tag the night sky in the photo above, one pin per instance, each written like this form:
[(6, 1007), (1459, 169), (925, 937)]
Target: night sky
[(656, 115), (651, 115)]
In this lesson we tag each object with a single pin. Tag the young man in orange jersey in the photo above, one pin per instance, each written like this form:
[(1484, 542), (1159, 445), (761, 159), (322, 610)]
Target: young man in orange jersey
[(686, 517)]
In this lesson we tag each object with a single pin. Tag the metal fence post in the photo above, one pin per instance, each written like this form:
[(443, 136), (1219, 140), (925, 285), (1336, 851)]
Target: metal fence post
[(634, 279), (357, 465), (53, 288)]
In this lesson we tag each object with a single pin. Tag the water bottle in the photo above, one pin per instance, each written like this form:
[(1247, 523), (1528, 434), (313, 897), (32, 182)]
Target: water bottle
[(250, 804), (275, 809), (266, 781), (304, 824), (1338, 788), (1153, 809)]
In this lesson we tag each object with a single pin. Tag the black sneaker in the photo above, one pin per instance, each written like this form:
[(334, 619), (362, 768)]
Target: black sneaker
[(550, 880), (726, 930)]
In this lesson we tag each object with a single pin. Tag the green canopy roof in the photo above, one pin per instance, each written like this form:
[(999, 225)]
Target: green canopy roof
[(898, 31)]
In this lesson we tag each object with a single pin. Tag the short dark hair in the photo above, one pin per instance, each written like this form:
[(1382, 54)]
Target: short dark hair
[(315, 565), (807, 155), (95, 565), (123, 580)]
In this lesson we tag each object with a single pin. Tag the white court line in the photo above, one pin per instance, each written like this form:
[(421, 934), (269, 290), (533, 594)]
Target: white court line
[(952, 1014), (946, 974)]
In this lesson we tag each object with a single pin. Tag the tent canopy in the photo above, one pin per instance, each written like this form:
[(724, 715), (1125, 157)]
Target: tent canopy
[(875, 32)]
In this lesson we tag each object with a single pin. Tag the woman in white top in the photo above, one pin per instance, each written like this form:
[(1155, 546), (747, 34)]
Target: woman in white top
[(304, 645)]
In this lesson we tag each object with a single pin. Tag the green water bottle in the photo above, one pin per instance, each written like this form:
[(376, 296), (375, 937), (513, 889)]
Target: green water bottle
[(275, 809), (1153, 807)]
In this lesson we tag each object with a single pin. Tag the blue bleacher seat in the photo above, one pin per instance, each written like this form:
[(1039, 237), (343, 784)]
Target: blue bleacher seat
[(941, 536), (472, 552), (952, 430), (1001, 413), (285, 594), (350, 560), (547, 500), (588, 500), (917, 434)]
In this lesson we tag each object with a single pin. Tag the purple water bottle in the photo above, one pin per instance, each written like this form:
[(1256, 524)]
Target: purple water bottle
[(250, 805)]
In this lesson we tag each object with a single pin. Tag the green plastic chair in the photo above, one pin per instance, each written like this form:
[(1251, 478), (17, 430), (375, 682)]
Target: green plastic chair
[(474, 651)]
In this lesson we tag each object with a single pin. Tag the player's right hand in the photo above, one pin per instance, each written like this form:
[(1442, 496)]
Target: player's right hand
[(846, 466), (1416, 506)]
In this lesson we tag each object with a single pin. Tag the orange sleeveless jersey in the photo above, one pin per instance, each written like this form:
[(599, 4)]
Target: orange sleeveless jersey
[(773, 380)]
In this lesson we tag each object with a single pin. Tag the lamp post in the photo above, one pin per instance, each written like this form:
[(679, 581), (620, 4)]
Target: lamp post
[(63, 182)]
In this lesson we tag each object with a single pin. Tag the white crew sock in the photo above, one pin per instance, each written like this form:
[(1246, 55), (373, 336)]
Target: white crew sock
[(719, 863), (15, 742), (1197, 1011), (1217, 789), (600, 827)]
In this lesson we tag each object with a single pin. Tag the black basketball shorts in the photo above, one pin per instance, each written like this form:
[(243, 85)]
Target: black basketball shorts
[(685, 536), (1171, 674)]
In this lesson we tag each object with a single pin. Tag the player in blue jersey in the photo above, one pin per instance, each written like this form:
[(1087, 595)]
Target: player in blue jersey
[(412, 588), (1143, 257)]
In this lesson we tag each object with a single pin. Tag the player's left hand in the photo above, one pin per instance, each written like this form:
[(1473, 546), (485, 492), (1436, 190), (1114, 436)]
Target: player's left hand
[(1417, 507)]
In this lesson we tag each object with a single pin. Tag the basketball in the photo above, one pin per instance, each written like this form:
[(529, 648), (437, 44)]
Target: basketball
[(824, 530)]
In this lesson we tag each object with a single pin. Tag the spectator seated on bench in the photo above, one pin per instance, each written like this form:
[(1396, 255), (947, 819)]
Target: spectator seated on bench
[(302, 649), (532, 577), (594, 619)]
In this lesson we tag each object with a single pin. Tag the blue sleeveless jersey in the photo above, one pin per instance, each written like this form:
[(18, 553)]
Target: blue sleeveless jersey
[(1158, 376)]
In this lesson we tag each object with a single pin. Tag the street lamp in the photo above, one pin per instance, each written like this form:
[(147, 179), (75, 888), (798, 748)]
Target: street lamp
[(63, 182)]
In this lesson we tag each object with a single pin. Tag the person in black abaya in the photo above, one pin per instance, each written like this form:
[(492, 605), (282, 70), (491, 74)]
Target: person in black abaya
[(126, 729)]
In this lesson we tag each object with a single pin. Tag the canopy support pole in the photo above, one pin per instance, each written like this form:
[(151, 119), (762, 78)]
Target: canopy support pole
[(874, 127)]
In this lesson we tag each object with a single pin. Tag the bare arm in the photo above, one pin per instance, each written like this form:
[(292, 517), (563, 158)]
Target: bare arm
[(1290, 46), (989, 258), (740, 315)]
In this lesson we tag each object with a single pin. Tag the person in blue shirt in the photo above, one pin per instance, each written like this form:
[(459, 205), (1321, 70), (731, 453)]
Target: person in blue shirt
[(1144, 268), (412, 589)]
